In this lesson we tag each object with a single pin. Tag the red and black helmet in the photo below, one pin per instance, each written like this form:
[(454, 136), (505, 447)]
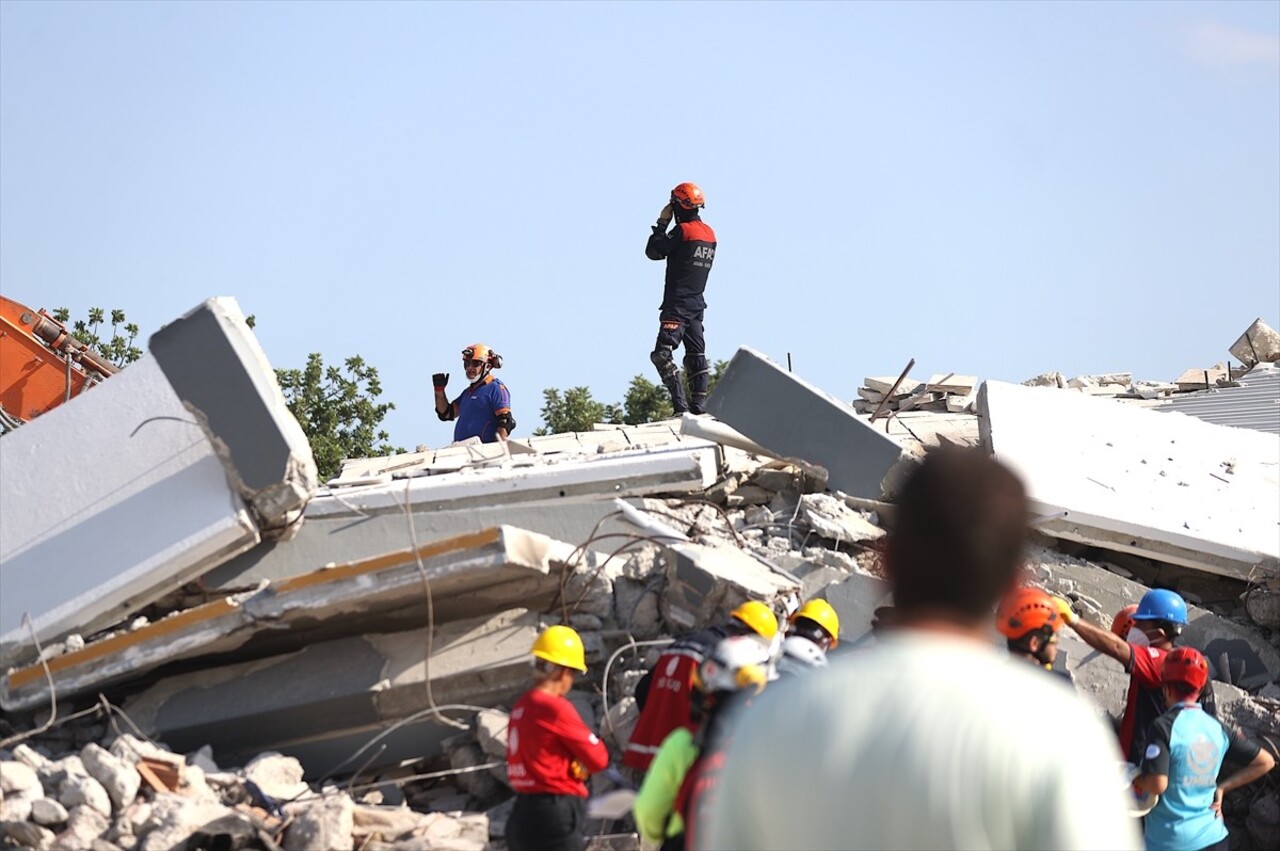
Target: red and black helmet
[(688, 196), (1186, 666)]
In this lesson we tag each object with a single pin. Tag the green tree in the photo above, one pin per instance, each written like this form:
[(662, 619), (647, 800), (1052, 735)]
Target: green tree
[(117, 348), (645, 402), (336, 409), (574, 411)]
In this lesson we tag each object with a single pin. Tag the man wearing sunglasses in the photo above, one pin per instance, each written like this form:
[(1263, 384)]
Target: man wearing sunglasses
[(483, 409)]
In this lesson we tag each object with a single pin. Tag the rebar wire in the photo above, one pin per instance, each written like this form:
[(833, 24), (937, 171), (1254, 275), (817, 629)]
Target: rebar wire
[(431, 610), (53, 690), (139, 426), (604, 694)]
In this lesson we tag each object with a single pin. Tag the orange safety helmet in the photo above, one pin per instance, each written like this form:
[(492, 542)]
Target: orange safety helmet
[(481, 352), (688, 196), (1123, 621), (1185, 666), (1026, 610)]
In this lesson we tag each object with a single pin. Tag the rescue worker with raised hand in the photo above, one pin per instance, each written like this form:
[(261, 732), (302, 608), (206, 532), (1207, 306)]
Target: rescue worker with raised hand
[(689, 249), (688, 759), (550, 751), (483, 409), (1029, 620), (1161, 616), (811, 632), (664, 693), (1183, 756)]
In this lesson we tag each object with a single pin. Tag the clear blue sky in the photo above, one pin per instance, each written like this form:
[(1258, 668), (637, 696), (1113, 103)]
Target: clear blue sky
[(997, 189)]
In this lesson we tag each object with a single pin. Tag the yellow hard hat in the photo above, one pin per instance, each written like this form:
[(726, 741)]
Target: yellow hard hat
[(561, 645), (759, 617), (821, 613)]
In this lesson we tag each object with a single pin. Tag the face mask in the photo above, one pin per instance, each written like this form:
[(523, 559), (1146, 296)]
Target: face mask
[(1137, 636)]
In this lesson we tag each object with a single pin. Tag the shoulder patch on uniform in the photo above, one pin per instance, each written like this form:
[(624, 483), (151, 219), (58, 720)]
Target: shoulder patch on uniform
[(1153, 751), (1153, 652), (592, 739)]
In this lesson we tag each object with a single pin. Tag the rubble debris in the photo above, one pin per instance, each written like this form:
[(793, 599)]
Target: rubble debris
[(1259, 343)]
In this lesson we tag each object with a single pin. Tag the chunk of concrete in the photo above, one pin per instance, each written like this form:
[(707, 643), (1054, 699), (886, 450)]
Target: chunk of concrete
[(949, 382), (704, 583), (1258, 344), (143, 477), (803, 421), (1120, 477), (829, 517), (220, 373)]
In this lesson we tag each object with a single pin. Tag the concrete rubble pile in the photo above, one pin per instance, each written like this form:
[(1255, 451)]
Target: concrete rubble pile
[(352, 648)]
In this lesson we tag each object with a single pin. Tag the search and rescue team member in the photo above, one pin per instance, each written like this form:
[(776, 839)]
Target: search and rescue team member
[(550, 752), (483, 410), (689, 250)]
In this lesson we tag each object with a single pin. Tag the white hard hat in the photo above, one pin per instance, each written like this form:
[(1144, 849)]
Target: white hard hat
[(800, 655), (737, 662)]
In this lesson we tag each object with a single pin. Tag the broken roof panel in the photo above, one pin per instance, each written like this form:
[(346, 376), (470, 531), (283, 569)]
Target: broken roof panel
[(1252, 401), (467, 575), (1170, 487)]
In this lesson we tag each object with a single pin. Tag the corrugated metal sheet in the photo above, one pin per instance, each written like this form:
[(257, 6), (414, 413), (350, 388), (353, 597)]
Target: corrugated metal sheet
[(1254, 404)]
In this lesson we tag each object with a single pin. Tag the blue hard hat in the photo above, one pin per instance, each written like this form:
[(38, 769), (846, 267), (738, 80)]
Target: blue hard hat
[(1161, 605)]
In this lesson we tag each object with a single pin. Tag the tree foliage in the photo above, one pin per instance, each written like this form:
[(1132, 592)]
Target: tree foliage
[(337, 410), (645, 402), (118, 348)]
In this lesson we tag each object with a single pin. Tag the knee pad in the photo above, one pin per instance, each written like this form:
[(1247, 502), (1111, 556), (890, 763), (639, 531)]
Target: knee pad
[(695, 364), (666, 364)]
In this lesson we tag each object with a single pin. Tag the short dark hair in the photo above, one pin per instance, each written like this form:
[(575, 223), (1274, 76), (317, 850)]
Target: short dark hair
[(959, 536)]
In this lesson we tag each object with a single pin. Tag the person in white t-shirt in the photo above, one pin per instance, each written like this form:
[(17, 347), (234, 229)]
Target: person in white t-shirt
[(935, 738)]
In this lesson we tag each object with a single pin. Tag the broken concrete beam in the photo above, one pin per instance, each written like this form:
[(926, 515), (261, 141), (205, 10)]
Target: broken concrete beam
[(566, 500), (325, 702), (869, 395), (1258, 344), (859, 460), (829, 517), (883, 385), (957, 404), (222, 377), (705, 583), (1046, 379), (109, 502), (855, 600), (949, 382), (1202, 379), (469, 575), (1130, 479)]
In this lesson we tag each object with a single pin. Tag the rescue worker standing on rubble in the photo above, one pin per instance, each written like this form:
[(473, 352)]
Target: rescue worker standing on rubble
[(1182, 759), (933, 738), (689, 250), (811, 632), (550, 752), (735, 670), (663, 694), (483, 409), (1029, 620), (1161, 615)]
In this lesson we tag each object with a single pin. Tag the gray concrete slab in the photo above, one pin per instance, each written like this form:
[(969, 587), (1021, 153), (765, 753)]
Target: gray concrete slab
[(1166, 486), (800, 420), (470, 575), (220, 373), (705, 583), (322, 703), (109, 502)]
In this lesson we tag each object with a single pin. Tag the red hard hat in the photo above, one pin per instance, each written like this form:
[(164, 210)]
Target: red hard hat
[(688, 196), (1027, 610), (1187, 666)]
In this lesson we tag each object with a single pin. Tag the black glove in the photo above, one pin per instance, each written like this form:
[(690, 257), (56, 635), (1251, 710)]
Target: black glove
[(440, 380)]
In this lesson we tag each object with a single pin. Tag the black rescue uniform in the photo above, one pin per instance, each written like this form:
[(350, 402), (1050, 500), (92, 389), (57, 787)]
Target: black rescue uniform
[(689, 249)]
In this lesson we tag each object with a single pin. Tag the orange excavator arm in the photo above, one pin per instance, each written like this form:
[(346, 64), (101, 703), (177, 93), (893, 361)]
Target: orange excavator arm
[(41, 364)]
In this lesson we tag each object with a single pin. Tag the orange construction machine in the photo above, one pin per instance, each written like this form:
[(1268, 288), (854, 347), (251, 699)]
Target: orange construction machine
[(41, 364)]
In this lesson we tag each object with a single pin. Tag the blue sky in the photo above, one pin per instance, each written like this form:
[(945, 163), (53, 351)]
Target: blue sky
[(996, 189)]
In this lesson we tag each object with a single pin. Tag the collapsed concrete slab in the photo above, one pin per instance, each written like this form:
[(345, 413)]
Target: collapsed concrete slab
[(324, 703), (220, 373), (109, 501), (1169, 487), (803, 421), (565, 499), (466, 576)]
